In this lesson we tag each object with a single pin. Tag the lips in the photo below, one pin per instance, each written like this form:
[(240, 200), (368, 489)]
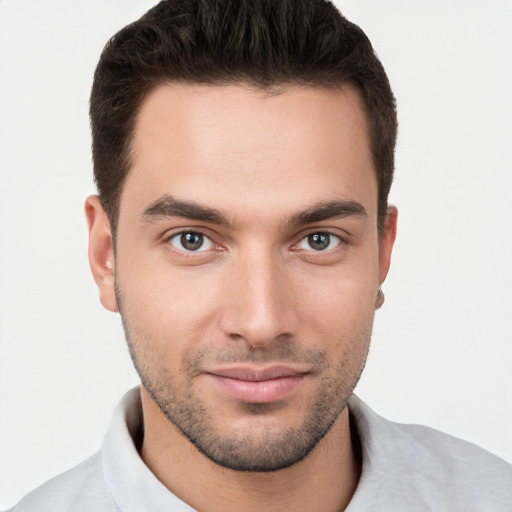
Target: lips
[(257, 385)]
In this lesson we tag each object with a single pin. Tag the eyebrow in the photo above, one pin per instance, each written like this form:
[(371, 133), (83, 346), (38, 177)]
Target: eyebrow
[(328, 210), (168, 206)]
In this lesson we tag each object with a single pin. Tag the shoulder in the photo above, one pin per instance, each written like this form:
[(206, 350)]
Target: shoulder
[(464, 471), (82, 488), (426, 467)]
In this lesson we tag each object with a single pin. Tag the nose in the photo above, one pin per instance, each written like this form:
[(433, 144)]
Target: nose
[(259, 304)]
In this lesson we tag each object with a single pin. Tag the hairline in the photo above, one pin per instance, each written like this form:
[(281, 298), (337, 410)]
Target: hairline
[(272, 89)]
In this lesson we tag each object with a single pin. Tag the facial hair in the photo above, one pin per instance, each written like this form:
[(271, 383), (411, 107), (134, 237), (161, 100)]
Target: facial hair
[(271, 450)]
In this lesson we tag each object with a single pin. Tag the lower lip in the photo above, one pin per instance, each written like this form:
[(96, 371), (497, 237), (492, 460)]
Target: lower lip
[(258, 392)]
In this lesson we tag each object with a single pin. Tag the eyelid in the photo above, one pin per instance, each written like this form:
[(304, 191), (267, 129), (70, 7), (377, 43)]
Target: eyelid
[(206, 245), (206, 233), (332, 239), (172, 232), (344, 236)]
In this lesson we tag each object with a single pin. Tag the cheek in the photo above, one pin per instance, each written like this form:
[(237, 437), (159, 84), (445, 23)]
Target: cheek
[(342, 315), (172, 306), (337, 310), (344, 292)]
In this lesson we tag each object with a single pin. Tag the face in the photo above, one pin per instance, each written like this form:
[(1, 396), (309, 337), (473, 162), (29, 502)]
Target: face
[(248, 264)]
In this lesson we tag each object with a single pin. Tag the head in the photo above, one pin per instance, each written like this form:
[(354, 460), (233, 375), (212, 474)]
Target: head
[(243, 153), (265, 44)]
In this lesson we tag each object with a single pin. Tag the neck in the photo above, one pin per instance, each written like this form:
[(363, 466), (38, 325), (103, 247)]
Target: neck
[(324, 480)]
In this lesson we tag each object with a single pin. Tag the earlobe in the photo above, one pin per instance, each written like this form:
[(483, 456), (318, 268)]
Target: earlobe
[(387, 242), (101, 252)]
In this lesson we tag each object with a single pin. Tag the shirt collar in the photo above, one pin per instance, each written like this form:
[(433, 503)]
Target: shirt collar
[(136, 489), (132, 485)]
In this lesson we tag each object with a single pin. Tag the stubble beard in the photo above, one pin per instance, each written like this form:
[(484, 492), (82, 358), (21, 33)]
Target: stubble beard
[(246, 451)]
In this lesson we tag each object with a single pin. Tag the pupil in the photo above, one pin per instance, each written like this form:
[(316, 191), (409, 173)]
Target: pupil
[(191, 241), (319, 241)]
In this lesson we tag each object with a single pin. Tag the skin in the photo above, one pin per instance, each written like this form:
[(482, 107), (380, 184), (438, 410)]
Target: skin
[(258, 293)]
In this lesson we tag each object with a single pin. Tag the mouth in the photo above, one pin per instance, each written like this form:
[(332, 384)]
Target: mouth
[(257, 385)]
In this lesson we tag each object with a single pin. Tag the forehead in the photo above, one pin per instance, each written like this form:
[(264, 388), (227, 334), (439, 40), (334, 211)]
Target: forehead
[(236, 145)]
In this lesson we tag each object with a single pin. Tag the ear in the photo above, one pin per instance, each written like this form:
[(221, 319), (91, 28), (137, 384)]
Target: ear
[(387, 241), (101, 252)]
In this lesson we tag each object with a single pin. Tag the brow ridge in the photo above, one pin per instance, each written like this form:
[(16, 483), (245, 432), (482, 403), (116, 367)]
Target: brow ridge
[(326, 210), (168, 206)]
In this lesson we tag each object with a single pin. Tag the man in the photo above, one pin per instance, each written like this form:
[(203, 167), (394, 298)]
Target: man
[(243, 154)]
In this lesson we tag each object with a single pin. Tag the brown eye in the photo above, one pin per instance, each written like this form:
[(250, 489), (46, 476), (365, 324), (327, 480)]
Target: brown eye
[(319, 242), (191, 241)]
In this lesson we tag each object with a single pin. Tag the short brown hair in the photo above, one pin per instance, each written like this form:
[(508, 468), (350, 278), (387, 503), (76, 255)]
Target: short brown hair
[(263, 43)]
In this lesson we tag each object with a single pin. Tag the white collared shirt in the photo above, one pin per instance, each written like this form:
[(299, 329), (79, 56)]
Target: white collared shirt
[(405, 468)]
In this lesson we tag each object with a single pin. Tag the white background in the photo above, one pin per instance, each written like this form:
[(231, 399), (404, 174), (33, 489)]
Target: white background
[(442, 346)]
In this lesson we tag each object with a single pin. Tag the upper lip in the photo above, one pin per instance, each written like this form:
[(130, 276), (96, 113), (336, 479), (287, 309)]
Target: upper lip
[(257, 374)]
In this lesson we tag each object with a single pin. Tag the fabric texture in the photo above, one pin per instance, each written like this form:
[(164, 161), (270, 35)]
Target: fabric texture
[(405, 468)]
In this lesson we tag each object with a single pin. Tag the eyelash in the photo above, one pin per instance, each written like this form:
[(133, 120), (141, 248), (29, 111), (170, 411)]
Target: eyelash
[(340, 241), (331, 237), (191, 253)]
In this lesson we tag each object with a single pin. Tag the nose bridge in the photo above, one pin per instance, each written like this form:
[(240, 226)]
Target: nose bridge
[(259, 307)]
